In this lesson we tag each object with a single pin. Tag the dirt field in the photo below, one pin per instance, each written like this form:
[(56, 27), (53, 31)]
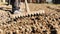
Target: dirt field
[(47, 23)]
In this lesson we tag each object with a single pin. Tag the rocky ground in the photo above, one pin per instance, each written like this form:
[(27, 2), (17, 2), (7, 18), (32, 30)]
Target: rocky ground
[(47, 23)]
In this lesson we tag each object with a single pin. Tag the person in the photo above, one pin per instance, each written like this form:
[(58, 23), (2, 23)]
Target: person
[(56, 1), (38, 1), (15, 5)]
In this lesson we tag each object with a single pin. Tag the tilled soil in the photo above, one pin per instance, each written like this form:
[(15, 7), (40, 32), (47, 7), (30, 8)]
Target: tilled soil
[(47, 23)]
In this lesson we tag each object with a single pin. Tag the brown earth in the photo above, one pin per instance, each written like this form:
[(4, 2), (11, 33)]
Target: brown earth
[(48, 23)]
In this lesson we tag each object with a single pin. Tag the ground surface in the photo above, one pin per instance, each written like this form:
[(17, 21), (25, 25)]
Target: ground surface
[(48, 23)]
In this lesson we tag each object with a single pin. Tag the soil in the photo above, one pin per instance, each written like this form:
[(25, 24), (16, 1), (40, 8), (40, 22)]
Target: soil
[(48, 23)]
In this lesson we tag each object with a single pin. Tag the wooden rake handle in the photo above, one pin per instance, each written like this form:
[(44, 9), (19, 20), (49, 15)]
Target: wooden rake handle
[(26, 6)]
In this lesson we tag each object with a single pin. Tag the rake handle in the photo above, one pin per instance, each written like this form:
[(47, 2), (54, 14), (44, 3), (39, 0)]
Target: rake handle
[(26, 6)]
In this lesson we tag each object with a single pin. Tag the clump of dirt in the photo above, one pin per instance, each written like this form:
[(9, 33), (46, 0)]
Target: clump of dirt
[(4, 17)]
